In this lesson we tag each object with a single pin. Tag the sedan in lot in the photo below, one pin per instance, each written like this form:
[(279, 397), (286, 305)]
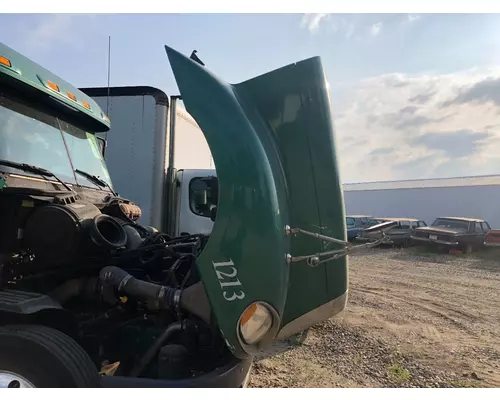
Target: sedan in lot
[(399, 234), (355, 224), (466, 234)]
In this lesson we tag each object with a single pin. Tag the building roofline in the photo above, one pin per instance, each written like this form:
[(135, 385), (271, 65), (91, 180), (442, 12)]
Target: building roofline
[(480, 180)]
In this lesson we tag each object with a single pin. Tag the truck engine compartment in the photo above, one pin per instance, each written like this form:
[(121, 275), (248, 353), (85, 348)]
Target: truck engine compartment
[(128, 294)]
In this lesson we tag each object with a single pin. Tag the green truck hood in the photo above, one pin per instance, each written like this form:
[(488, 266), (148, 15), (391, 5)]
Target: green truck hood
[(273, 145)]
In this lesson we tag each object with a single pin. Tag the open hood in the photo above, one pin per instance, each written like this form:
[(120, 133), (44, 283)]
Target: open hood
[(273, 146), (381, 228)]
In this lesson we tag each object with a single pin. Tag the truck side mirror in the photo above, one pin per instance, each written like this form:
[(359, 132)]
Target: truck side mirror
[(213, 183), (102, 144), (213, 213)]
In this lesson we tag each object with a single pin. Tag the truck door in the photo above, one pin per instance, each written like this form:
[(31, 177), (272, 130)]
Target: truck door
[(273, 146)]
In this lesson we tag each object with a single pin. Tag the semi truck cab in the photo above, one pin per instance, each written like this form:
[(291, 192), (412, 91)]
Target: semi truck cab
[(90, 296)]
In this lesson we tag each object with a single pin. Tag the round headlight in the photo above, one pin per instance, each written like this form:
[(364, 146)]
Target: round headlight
[(255, 323)]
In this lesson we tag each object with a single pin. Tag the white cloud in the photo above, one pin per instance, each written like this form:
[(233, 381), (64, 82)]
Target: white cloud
[(345, 25), (413, 17), (349, 29), (401, 126), (375, 29), (313, 21), (328, 22)]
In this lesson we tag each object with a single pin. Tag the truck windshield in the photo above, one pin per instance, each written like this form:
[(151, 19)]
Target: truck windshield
[(84, 152), (33, 137)]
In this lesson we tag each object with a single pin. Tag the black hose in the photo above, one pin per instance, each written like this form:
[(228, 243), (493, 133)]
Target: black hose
[(155, 347), (183, 238), (165, 297)]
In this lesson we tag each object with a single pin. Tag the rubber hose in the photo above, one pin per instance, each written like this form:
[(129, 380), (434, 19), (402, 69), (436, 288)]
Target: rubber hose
[(122, 281), (156, 346)]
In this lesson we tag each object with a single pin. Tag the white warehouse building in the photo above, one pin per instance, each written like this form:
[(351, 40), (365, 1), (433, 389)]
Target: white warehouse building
[(426, 199)]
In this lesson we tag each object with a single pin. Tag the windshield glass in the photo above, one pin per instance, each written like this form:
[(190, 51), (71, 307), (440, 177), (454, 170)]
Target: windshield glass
[(451, 223), (85, 153), (350, 221), (33, 137)]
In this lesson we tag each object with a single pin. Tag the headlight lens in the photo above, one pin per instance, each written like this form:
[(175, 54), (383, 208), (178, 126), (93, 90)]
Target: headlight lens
[(255, 322)]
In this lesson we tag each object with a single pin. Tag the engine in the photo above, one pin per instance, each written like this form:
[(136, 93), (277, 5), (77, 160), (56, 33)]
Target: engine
[(132, 293), (62, 233)]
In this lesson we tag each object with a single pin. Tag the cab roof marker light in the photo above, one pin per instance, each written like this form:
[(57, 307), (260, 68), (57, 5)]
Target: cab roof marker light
[(71, 96), (53, 86), (104, 117), (86, 105), (5, 61)]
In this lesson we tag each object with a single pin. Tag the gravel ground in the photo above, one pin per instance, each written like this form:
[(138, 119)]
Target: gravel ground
[(413, 319)]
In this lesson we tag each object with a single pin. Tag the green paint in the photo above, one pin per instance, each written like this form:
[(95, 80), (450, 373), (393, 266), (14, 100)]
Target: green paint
[(3, 183), (31, 74), (273, 145)]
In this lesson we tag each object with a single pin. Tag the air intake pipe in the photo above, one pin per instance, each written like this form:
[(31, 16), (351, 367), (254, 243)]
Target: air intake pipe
[(192, 299)]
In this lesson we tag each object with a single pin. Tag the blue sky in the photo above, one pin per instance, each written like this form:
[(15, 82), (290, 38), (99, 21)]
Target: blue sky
[(380, 67)]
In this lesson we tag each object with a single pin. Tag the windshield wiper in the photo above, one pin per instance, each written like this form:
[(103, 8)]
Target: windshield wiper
[(96, 180), (34, 170)]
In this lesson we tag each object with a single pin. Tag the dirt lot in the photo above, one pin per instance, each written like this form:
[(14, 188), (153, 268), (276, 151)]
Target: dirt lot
[(413, 319)]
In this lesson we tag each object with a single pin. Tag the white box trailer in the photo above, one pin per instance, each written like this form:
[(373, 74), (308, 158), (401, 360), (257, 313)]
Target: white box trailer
[(154, 150), (426, 199)]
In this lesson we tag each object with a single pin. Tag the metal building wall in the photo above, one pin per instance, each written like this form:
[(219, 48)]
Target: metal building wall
[(427, 203)]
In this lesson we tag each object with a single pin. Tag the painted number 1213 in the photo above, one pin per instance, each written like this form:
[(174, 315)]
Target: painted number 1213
[(227, 275)]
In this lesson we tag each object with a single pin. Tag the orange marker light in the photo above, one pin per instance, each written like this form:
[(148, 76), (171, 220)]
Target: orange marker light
[(53, 86), (255, 323), (5, 61), (248, 313), (85, 104), (71, 96), (107, 118)]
